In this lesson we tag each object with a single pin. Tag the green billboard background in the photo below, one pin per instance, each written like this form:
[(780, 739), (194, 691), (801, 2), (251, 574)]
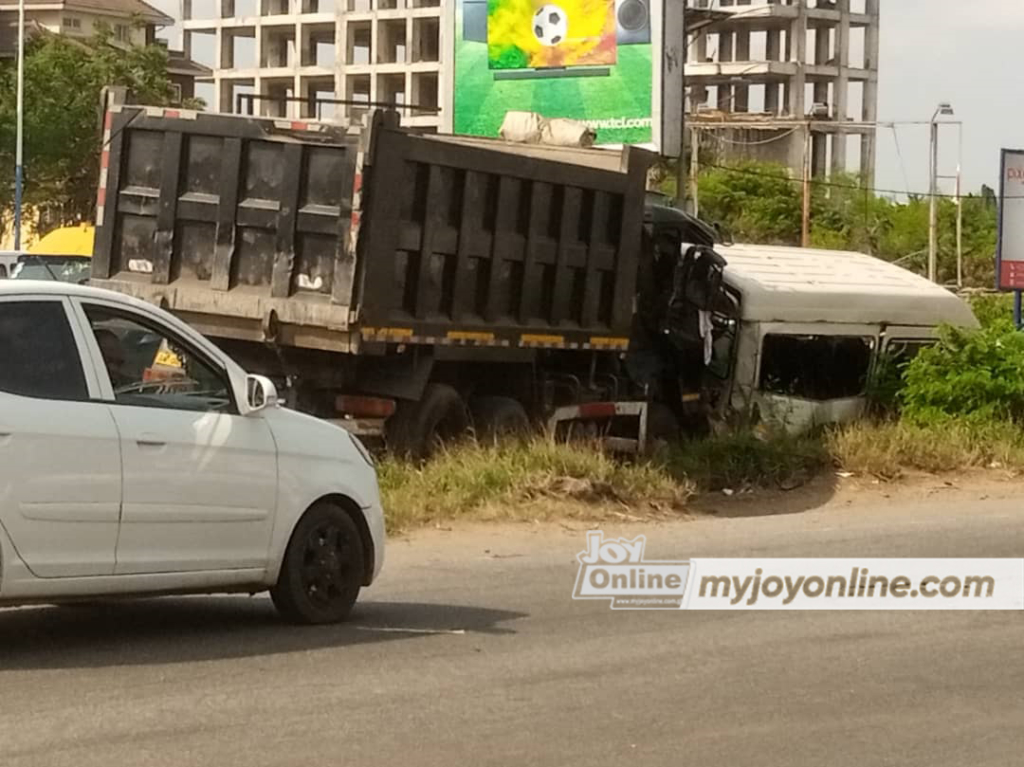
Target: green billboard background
[(617, 106)]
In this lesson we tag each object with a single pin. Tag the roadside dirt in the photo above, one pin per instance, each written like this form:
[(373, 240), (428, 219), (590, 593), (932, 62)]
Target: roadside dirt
[(821, 494)]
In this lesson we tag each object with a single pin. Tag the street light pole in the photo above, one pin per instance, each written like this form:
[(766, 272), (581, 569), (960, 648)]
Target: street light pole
[(20, 140), (933, 212), (932, 203), (960, 211)]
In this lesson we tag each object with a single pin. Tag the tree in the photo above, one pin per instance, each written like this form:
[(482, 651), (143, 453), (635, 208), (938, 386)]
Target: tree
[(761, 202), (63, 82)]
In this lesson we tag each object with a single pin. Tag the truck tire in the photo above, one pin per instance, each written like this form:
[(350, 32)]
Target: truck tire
[(418, 428), (662, 426), (496, 417)]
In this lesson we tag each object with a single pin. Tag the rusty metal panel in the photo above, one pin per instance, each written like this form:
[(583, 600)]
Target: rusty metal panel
[(226, 211), (460, 235)]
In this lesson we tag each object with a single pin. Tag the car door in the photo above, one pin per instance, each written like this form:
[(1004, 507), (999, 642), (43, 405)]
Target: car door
[(200, 480), (60, 454)]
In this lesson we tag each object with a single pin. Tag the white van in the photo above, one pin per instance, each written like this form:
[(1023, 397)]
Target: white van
[(8, 258), (800, 330)]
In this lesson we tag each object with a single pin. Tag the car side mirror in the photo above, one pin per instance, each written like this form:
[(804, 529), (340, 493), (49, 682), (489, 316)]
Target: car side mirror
[(260, 393)]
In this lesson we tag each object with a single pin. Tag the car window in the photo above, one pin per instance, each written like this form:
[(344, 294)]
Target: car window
[(72, 269), (149, 367), (816, 367), (38, 354), (3, 272)]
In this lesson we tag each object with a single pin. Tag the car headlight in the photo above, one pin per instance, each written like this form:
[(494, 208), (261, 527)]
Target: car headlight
[(362, 449)]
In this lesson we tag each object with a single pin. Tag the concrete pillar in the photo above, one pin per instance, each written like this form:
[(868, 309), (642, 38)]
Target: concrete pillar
[(725, 46), (773, 52), (821, 57), (841, 87), (741, 93), (819, 153), (798, 55)]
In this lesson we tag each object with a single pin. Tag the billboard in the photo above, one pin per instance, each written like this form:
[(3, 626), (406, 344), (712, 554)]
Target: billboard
[(602, 62), (1010, 251)]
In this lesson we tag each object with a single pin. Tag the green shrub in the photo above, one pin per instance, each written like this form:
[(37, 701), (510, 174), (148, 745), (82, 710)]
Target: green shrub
[(974, 374), (993, 310)]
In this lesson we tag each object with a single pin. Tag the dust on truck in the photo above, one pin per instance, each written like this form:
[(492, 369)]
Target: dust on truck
[(401, 284)]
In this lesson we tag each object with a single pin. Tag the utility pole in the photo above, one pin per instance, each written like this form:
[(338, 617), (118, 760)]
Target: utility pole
[(20, 140), (695, 171), (805, 231)]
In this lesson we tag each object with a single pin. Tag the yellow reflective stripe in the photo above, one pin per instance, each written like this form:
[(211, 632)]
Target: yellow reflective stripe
[(467, 335), (617, 343), (539, 340), (386, 333)]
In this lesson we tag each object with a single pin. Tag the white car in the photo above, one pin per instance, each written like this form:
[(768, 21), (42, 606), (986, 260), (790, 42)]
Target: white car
[(137, 458)]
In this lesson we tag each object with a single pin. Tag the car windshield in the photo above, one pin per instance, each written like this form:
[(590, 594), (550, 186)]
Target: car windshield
[(73, 269)]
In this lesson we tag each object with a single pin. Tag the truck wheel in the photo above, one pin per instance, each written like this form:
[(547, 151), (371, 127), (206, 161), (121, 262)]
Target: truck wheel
[(662, 426), (495, 417), (418, 428), (323, 568)]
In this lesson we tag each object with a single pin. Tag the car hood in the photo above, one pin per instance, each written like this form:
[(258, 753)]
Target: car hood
[(301, 434)]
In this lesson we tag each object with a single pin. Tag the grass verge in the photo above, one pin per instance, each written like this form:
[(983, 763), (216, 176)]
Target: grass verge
[(510, 481), (541, 479), (889, 449)]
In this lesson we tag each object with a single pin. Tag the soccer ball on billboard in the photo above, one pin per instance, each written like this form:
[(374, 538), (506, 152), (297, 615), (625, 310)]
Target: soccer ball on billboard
[(527, 34)]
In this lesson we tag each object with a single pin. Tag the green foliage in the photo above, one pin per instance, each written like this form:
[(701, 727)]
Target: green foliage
[(972, 374), (740, 459), (757, 202), (994, 310), (63, 81), (762, 202)]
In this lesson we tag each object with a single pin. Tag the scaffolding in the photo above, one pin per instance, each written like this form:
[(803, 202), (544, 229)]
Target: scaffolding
[(319, 59), (812, 61)]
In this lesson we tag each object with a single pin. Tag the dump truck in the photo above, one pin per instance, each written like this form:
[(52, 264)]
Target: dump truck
[(414, 286)]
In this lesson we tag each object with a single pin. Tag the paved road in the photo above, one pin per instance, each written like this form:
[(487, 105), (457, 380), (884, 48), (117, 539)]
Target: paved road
[(471, 652)]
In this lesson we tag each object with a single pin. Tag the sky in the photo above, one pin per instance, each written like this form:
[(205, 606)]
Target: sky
[(933, 51), (957, 51)]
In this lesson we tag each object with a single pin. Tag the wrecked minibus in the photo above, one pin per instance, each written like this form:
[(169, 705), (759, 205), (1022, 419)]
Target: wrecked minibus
[(799, 331)]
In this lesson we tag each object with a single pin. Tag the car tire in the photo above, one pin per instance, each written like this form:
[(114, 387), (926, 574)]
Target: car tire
[(496, 417), (323, 567), (418, 428)]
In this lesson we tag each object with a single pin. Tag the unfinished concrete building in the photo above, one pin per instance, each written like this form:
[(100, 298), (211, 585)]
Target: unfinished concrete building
[(779, 80), (292, 53)]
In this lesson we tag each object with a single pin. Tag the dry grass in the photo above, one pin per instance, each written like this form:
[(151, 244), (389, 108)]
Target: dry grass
[(543, 480), (889, 449), (522, 481)]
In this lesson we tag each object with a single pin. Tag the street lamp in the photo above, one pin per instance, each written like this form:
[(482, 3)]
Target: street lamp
[(19, 141), (933, 240)]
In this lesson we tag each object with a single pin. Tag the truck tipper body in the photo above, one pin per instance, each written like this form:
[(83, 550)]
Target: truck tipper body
[(368, 269)]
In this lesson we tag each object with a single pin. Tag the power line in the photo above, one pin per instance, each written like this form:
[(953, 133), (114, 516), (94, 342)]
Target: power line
[(835, 185), (899, 153)]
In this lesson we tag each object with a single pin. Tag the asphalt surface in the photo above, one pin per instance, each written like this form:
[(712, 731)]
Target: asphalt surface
[(470, 651)]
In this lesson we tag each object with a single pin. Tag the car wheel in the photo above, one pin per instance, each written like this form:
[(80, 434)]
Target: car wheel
[(496, 417), (323, 568)]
